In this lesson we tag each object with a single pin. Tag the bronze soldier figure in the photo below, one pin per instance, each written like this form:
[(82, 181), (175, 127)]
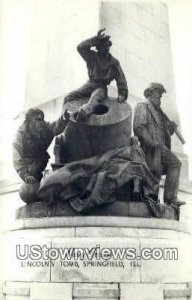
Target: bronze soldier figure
[(30, 155), (33, 138), (154, 130), (102, 69)]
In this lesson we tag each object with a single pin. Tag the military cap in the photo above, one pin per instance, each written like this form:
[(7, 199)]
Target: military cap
[(154, 86), (32, 112)]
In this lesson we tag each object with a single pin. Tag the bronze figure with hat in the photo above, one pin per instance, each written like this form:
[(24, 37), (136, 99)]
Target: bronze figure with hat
[(154, 129)]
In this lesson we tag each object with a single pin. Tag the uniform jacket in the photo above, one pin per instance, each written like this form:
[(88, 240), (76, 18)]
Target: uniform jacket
[(30, 154), (148, 128), (102, 71)]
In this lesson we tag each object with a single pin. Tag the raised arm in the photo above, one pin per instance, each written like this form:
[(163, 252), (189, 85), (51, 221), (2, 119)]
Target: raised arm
[(58, 126), (84, 48)]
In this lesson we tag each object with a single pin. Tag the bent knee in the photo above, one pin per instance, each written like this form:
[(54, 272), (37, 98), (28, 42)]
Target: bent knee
[(178, 163), (100, 92), (67, 99)]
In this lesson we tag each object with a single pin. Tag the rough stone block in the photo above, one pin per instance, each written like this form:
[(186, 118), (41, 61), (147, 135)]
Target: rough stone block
[(173, 286), (94, 269), (17, 224), (49, 291), (19, 265), (176, 287), (147, 291), (91, 290), (17, 288), (177, 293), (141, 292), (96, 221), (169, 270), (189, 286), (117, 208), (88, 298), (17, 297), (179, 298), (126, 232), (43, 233)]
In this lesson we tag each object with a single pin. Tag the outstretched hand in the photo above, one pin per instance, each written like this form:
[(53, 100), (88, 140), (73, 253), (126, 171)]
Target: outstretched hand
[(31, 179), (101, 35), (173, 125)]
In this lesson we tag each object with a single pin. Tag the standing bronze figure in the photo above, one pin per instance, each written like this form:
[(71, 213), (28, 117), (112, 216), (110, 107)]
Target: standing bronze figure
[(154, 130)]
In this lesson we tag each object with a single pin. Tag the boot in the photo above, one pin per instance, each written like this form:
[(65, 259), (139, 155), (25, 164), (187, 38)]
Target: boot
[(175, 202)]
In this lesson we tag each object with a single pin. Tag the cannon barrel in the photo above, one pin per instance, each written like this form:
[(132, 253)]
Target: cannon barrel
[(109, 127)]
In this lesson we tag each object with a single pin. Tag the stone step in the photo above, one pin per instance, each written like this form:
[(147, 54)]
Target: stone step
[(89, 290), (184, 293)]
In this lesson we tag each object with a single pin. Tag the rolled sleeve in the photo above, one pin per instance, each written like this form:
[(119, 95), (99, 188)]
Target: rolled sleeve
[(121, 81), (84, 48)]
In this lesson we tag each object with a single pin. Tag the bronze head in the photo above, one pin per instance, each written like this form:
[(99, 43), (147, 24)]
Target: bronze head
[(154, 93), (34, 119), (103, 47)]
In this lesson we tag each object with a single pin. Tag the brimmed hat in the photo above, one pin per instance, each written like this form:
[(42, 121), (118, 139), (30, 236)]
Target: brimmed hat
[(154, 86)]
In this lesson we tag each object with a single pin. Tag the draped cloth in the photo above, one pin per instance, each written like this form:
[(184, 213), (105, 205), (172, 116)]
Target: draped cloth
[(94, 181)]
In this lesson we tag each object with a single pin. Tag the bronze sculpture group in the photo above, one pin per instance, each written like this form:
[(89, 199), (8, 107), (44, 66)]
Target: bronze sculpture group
[(93, 182)]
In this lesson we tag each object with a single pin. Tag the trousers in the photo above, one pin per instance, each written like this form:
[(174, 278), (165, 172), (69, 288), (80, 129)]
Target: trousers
[(171, 168), (97, 92)]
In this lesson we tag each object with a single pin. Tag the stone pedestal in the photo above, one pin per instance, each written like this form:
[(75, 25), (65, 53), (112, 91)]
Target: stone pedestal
[(117, 208), (116, 258)]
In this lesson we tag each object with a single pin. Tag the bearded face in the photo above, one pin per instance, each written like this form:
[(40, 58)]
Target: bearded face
[(155, 98), (37, 127)]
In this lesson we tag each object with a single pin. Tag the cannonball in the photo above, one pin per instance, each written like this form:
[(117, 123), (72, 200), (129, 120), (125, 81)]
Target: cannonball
[(28, 192)]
